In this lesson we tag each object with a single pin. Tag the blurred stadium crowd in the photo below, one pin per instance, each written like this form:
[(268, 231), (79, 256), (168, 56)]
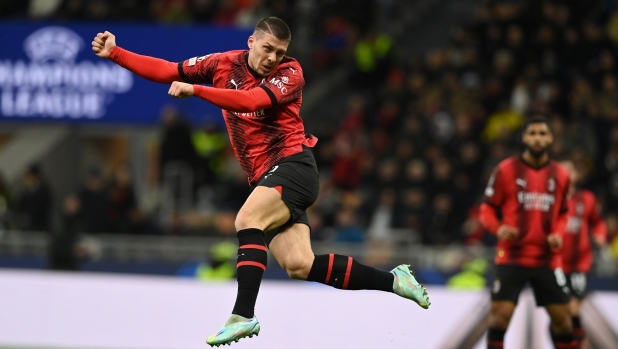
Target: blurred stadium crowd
[(413, 151)]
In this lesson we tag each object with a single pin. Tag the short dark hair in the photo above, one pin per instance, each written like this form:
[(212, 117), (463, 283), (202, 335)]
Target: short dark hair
[(274, 26), (537, 119)]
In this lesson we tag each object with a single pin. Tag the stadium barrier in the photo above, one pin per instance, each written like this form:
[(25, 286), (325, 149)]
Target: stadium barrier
[(85, 310)]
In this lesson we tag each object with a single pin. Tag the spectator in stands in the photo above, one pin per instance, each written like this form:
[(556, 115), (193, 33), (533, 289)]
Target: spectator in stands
[(373, 56), (62, 254), (176, 145), (209, 143), (123, 214), (347, 228), (94, 203), (32, 202), (5, 201)]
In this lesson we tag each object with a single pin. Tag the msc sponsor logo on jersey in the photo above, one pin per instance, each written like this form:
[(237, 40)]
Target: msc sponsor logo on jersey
[(53, 84), (536, 201), (280, 84)]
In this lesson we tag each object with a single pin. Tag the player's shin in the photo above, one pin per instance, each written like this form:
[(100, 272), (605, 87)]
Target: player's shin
[(345, 273), (495, 338), (251, 263), (578, 331), (564, 341)]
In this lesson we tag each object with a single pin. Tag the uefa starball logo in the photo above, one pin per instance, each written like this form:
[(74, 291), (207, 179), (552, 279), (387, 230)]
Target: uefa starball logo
[(53, 84)]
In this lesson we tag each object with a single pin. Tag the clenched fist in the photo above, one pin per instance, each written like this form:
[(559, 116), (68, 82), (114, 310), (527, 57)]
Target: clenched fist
[(103, 44), (180, 90)]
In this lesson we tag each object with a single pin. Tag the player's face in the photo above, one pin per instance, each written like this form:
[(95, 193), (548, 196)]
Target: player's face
[(265, 52), (537, 138)]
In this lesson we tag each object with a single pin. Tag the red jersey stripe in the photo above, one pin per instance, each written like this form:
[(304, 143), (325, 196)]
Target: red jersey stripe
[(347, 274), (331, 258), (257, 247), (251, 264)]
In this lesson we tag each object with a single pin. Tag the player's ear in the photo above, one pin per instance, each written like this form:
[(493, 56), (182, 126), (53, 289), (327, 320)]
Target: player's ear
[(251, 41)]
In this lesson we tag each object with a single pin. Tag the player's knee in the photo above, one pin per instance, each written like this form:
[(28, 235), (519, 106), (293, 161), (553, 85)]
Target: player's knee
[(562, 324), (297, 268), (499, 318), (244, 220)]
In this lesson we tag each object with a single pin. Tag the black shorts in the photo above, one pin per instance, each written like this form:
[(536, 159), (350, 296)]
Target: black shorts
[(577, 284), (299, 182), (549, 285)]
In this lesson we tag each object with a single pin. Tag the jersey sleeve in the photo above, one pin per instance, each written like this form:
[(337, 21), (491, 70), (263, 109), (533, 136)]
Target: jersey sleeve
[(494, 192), (285, 84), (199, 70), (597, 224)]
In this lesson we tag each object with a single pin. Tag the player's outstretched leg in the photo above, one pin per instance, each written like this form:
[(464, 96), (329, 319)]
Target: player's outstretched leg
[(251, 264), (345, 273)]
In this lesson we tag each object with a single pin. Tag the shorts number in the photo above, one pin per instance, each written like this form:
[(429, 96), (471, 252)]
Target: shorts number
[(578, 282), (560, 278)]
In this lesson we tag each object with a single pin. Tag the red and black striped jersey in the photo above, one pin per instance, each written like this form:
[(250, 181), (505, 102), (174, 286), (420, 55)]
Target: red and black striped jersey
[(584, 213), (531, 200), (260, 138)]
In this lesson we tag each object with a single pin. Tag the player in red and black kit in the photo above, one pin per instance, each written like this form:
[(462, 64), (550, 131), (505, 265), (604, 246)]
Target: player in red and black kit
[(260, 93), (530, 191), (584, 218)]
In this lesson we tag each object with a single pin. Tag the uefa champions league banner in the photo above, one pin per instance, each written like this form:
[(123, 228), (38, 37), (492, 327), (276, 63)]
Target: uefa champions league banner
[(48, 71)]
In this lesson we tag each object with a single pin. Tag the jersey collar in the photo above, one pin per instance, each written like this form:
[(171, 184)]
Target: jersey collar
[(253, 72), (521, 158)]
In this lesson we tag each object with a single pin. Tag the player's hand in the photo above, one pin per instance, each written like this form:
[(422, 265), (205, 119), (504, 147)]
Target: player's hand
[(599, 241), (554, 240), (180, 90), (506, 232), (103, 44)]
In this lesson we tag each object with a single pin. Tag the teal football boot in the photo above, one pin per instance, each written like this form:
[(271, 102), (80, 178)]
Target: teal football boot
[(235, 328), (406, 286)]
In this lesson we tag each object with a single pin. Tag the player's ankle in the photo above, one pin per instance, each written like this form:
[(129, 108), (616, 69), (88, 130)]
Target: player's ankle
[(234, 318)]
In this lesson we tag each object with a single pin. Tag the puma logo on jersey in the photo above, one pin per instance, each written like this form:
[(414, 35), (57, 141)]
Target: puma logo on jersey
[(293, 71), (521, 182), (235, 84)]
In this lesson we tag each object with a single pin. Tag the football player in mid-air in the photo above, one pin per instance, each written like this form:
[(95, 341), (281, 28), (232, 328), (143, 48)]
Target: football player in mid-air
[(260, 93)]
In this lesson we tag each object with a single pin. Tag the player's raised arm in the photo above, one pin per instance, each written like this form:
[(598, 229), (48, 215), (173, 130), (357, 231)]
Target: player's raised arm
[(231, 100), (154, 69)]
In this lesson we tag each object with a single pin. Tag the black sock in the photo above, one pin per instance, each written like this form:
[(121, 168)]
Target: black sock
[(495, 338), (564, 341), (250, 267), (578, 331), (345, 273)]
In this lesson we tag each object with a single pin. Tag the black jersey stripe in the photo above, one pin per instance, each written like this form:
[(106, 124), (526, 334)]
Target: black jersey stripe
[(270, 93), (182, 74)]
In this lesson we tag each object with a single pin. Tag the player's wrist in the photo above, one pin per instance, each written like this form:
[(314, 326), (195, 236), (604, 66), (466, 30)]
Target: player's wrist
[(115, 52)]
